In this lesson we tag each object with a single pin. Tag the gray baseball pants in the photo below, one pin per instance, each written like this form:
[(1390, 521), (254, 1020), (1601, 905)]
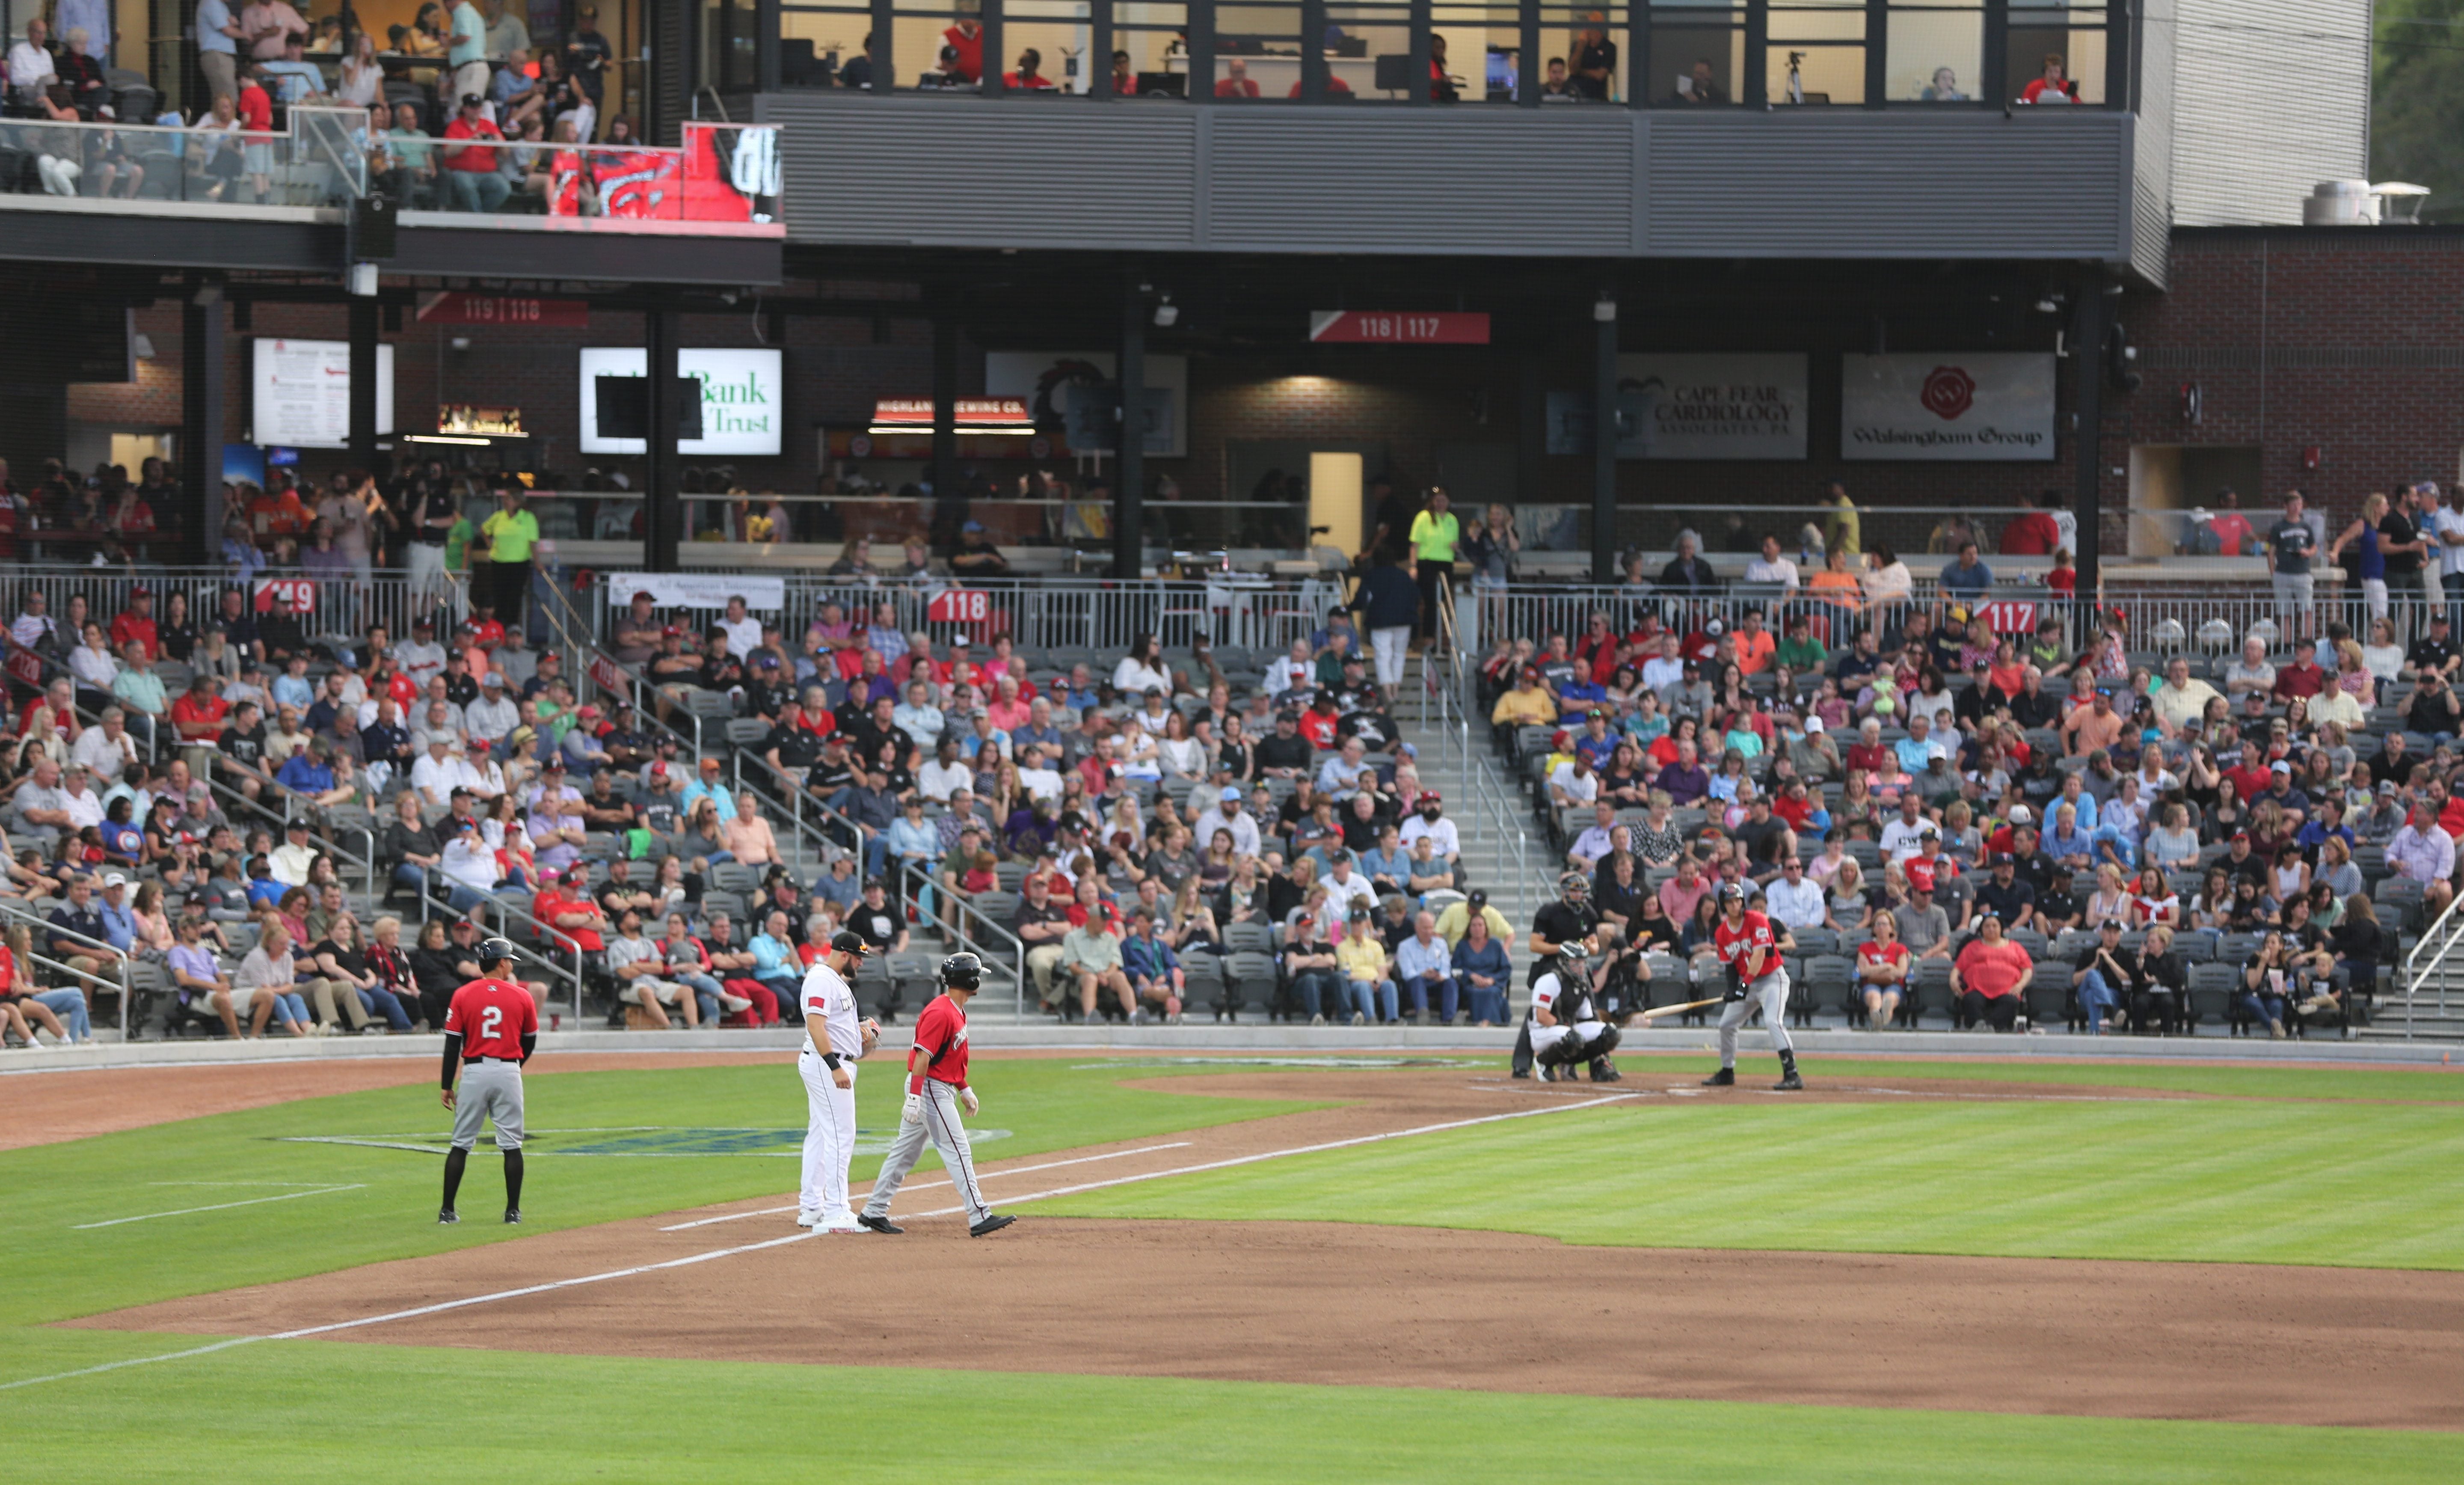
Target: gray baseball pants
[(940, 1125), (1770, 992), (490, 1090)]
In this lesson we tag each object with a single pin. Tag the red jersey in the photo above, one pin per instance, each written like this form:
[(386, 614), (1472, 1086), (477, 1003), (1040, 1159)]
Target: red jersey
[(941, 1030), (1753, 932), (1894, 954), (130, 626), (1319, 727), (493, 1017)]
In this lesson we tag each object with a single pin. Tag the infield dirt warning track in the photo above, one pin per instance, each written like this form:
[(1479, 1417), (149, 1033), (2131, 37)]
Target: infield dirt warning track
[(1344, 1304)]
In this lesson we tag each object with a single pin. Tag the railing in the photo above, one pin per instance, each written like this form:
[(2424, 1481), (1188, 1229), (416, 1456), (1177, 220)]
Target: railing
[(989, 945), (66, 978), (506, 913), (722, 176), (1455, 696), (2429, 962)]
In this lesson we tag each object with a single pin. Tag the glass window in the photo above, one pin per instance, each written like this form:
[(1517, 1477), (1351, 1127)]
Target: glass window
[(1369, 50), (1818, 52), (1698, 52), (818, 42), (2056, 51), (1058, 33), (1936, 52)]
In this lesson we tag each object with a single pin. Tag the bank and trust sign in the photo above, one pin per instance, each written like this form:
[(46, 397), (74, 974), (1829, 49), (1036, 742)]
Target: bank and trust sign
[(741, 392), (1992, 405)]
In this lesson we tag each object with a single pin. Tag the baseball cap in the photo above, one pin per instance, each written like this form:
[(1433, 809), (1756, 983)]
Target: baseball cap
[(586, 710), (644, 595), (549, 874), (493, 679), (2005, 858), (1813, 724), (201, 900), (2020, 815), (709, 763), (2279, 766), (2111, 925), (422, 623), (555, 761), (1479, 899), (846, 941), (972, 525), (1430, 797), (1228, 794), (115, 880), (472, 99)]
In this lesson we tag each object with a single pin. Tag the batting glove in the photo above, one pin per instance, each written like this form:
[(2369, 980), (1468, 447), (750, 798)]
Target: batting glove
[(913, 1113), (967, 1100)]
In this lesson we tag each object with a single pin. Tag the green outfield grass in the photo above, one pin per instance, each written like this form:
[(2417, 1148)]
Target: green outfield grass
[(2244, 1080), (2242, 1180), (1046, 1104), (325, 1411)]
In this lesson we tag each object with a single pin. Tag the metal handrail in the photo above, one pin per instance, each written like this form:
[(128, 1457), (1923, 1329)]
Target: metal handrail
[(954, 931), (24, 912), (2437, 941), (429, 903)]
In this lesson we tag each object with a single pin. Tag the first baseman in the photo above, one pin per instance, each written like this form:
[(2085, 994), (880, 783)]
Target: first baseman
[(1748, 947), (491, 1029), (835, 1038), (937, 1088)]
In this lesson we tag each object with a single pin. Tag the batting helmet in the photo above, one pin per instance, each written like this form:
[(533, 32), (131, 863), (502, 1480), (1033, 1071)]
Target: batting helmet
[(492, 949), (1732, 891), (962, 972)]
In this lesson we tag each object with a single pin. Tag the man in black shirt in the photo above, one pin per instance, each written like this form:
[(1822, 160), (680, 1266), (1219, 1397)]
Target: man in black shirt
[(2057, 906), (2004, 896), (1768, 841), (833, 773), (1594, 65), (243, 749), (2401, 544), (2434, 650), (1286, 753), (278, 631), (769, 693), (792, 748)]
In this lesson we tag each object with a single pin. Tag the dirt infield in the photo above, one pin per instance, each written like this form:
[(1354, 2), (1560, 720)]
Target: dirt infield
[(49, 1107), (1344, 1304)]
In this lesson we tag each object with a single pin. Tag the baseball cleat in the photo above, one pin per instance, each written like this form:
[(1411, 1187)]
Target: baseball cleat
[(513, 1216), (447, 1217), (866, 1219), (1726, 1078), (989, 1226), (1791, 1083), (806, 1219)]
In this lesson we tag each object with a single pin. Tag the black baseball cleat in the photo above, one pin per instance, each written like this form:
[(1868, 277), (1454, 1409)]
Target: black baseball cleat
[(1726, 1078), (513, 1216), (866, 1219), (989, 1226), (447, 1217), (1790, 1083)]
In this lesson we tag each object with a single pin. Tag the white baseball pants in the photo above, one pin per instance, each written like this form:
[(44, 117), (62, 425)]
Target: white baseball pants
[(940, 1125), (1392, 646), (1770, 992), (1545, 1037), (829, 1141)]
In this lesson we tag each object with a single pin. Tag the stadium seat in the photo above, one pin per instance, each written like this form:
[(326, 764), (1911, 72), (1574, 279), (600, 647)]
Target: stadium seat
[(2049, 997), (1932, 988), (1253, 980), (2212, 988)]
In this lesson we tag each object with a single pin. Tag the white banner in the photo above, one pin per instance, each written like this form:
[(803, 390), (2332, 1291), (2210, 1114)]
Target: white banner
[(299, 393), (1971, 405), (741, 392), (1043, 379), (1711, 407), (698, 590)]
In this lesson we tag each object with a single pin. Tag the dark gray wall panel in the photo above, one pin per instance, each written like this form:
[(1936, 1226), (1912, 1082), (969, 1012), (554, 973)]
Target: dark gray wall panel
[(1818, 184)]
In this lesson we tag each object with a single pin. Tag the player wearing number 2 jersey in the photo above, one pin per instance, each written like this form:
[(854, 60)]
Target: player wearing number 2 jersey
[(491, 1029), (1750, 948), (936, 1090)]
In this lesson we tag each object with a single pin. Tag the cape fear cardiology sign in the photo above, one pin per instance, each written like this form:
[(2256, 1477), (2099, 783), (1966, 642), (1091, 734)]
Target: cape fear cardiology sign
[(1992, 406)]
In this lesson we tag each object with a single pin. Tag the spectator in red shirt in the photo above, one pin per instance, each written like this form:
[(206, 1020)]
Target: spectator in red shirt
[(967, 39), (2301, 678), (1236, 82), (471, 181), (2031, 533), (1027, 78), (2053, 87), (1989, 977), (136, 624)]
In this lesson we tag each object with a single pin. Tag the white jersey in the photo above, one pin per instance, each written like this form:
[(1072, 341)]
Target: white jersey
[(830, 1005)]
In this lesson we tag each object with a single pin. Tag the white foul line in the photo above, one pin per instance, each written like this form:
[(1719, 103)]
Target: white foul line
[(287, 1196), (801, 1235), (772, 1212)]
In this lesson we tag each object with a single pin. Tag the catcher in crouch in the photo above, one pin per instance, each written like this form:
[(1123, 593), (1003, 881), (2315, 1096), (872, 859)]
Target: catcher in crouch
[(1748, 948), (1564, 1025)]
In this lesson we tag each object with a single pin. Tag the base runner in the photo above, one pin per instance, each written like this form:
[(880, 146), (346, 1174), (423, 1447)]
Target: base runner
[(936, 1090), (1565, 1027), (835, 1038), (1750, 948), (491, 1029)]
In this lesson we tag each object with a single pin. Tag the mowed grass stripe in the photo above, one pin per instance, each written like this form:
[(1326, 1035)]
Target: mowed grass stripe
[(2233, 1182), (1830, 1061), (316, 1413)]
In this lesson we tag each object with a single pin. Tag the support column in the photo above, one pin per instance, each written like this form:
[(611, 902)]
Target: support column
[(1130, 497), (1100, 48), (662, 514), (1531, 426), (885, 57), (201, 416), (1530, 68), (364, 412), (2095, 316), (945, 415), (1314, 69), (1604, 437), (1422, 23), (995, 36)]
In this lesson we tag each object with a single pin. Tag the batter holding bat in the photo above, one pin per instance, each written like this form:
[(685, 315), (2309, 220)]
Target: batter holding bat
[(491, 1029), (835, 1038), (1750, 948), (936, 1090)]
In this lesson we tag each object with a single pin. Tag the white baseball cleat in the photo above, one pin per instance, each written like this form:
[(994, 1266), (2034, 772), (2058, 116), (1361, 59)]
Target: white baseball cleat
[(805, 1219)]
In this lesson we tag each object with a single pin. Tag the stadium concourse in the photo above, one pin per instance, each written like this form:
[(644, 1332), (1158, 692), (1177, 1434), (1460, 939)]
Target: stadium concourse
[(2056, 830)]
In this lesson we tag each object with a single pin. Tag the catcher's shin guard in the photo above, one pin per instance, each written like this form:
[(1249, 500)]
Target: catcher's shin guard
[(1607, 1041)]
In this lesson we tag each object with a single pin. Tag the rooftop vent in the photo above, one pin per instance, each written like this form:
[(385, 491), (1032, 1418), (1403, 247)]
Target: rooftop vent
[(2362, 204)]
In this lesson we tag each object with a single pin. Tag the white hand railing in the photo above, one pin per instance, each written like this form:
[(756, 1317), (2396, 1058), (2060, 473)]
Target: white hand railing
[(2429, 958)]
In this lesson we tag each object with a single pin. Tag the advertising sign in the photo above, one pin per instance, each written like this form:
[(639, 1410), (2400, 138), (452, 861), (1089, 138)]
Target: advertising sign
[(1397, 327), (1993, 405), (299, 592), (1690, 406), (741, 412), (698, 590), (299, 393), (460, 307), (1049, 381), (959, 606)]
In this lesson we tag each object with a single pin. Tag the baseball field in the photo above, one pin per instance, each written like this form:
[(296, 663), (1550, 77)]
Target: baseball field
[(1248, 1268)]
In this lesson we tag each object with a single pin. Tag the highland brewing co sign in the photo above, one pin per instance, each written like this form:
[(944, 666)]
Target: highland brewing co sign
[(1962, 406)]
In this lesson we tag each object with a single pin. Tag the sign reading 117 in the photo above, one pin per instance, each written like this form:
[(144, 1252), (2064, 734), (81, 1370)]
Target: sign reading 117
[(1397, 327)]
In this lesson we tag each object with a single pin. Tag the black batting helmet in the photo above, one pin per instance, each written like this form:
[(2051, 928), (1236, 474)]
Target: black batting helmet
[(962, 972), (492, 950)]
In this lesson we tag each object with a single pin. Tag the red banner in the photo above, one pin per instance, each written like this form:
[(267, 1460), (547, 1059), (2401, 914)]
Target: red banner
[(300, 592), (2007, 616), (611, 679), (960, 605), (1397, 327), (455, 307)]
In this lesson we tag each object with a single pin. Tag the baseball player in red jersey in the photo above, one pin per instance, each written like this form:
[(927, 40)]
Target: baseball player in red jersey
[(936, 1090), (491, 1028), (1749, 947), (837, 1036)]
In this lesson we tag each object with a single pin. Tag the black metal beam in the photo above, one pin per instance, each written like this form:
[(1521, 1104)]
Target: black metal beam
[(1605, 468), (2094, 315), (662, 512), (364, 382), (201, 431), (945, 411), (1130, 500)]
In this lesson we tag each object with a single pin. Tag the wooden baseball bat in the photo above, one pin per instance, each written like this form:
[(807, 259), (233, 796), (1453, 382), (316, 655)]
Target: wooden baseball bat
[(1656, 1012)]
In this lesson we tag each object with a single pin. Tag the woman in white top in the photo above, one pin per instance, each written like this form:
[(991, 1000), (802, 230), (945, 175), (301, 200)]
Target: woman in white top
[(1887, 577), (1140, 758), (1141, 670), (363, 80), (1182, 754), (2111, 900), (2383, 658), (1845, 909), (93, 662)]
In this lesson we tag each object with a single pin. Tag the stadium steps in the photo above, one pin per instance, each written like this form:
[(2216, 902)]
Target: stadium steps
[(1487, 835), (2430, 1022)]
